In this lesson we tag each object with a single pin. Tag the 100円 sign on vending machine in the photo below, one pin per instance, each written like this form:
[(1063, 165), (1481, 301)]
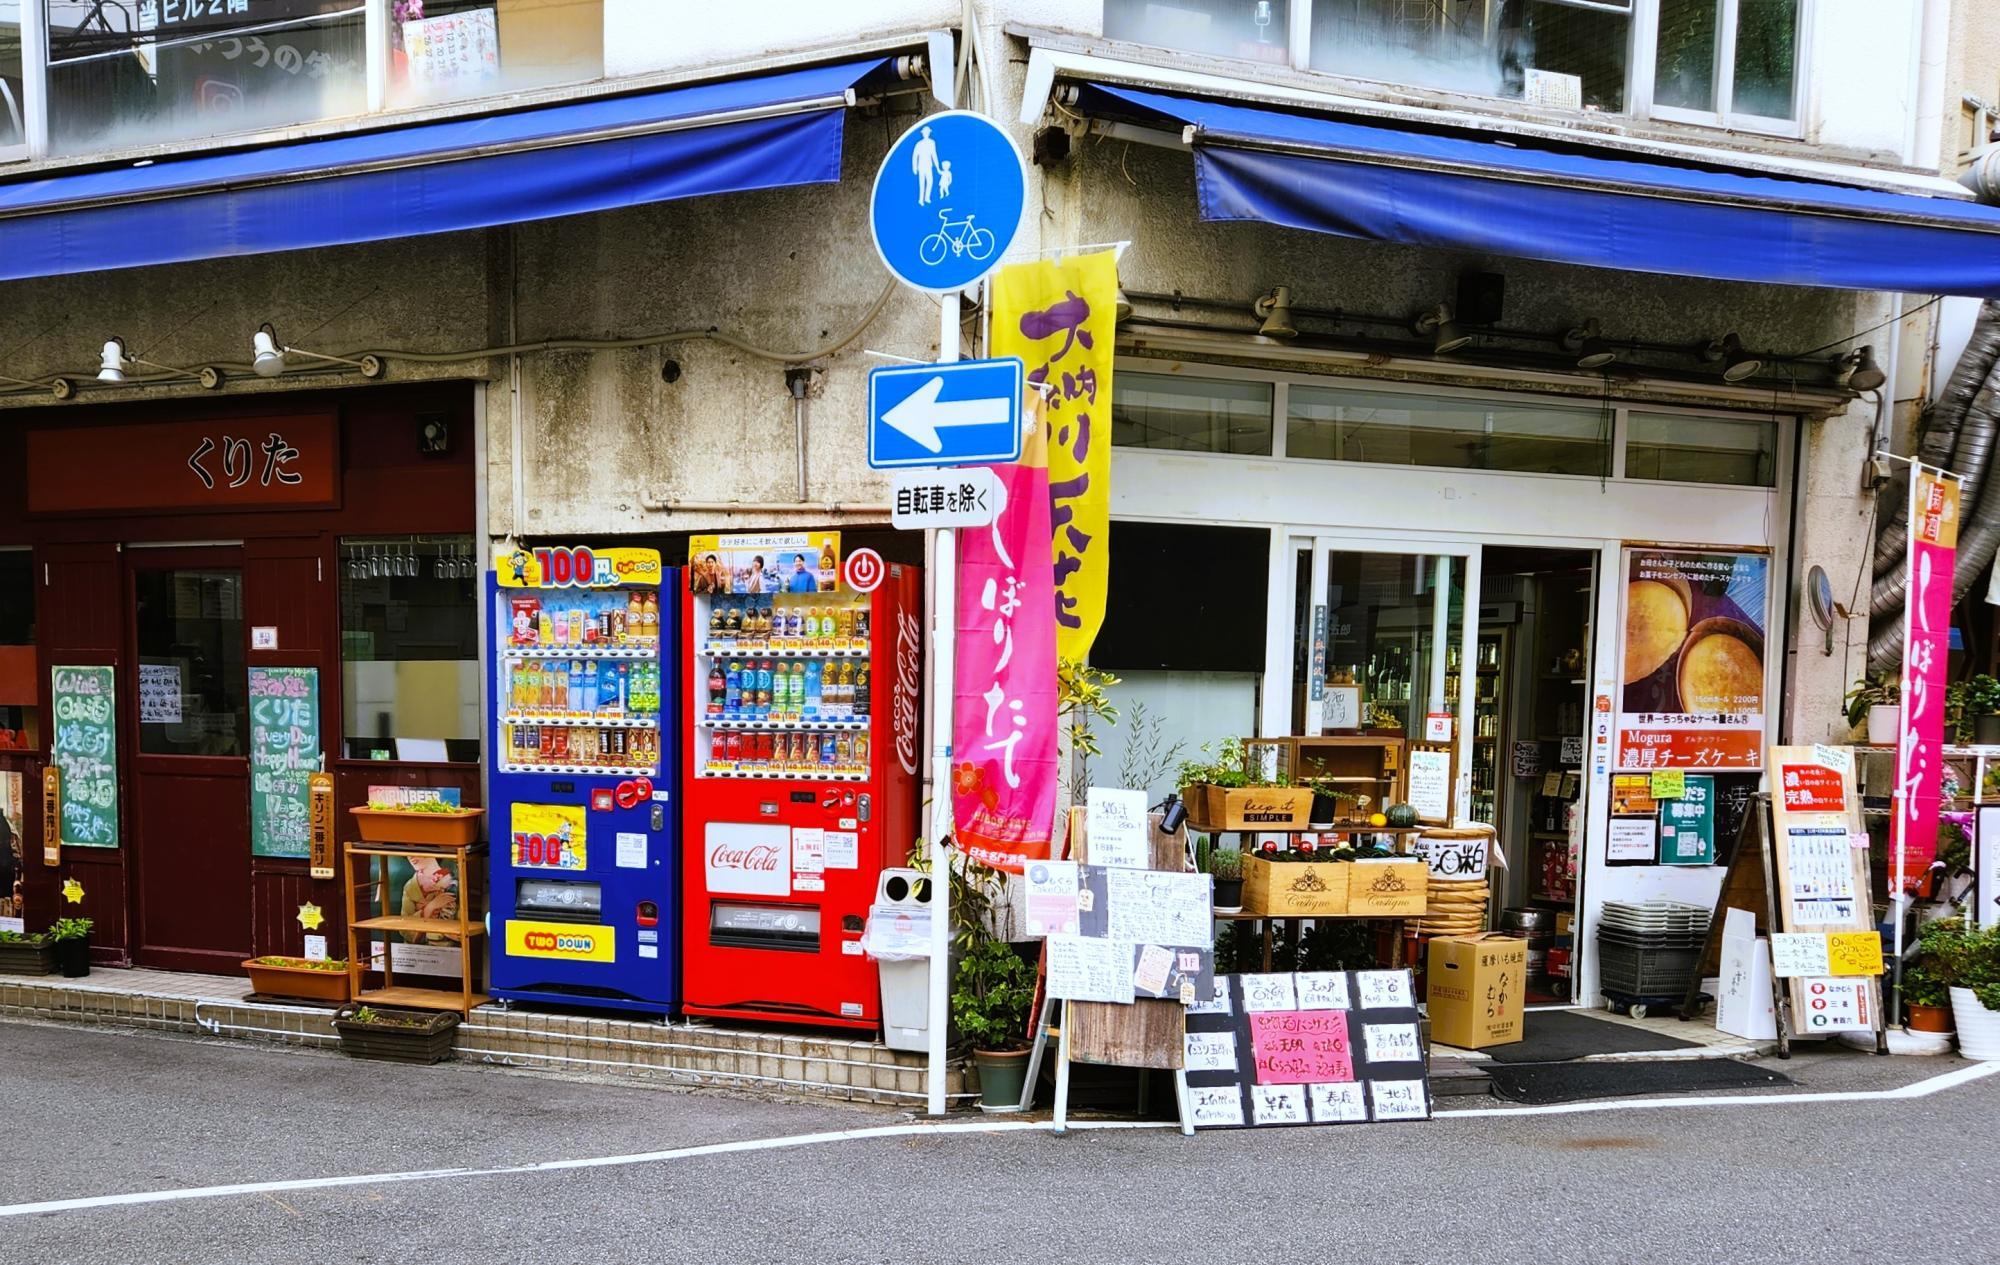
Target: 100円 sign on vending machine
[(583, 822)]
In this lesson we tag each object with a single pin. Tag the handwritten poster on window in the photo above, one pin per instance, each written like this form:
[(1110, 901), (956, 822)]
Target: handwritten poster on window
[(284, 754), (159, 693), (85, 749), (1430, 784)]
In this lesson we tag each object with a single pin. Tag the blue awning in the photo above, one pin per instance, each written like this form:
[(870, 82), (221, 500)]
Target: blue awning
[(753, 133), (1456, 192)]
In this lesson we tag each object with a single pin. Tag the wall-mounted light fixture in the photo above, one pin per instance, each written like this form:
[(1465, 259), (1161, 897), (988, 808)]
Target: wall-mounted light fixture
[(113, 364), (1586, 343), (1737, 364), (1274, 311), (1446, 337), (1859, 372), (267, 357)]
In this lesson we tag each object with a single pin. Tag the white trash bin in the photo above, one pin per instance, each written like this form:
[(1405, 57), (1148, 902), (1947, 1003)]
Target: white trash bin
[(898, 938)]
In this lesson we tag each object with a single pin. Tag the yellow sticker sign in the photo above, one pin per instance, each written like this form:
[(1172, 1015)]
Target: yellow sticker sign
[(1854, 952), (1669, 783), (576, 567), (548, 836), (563, 941)]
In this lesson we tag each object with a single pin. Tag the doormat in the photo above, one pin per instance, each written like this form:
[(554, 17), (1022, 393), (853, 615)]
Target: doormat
[(1551, 1036), (1540, 1083)]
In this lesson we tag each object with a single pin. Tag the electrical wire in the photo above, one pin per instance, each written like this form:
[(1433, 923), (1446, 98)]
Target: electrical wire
[(1933, 301)]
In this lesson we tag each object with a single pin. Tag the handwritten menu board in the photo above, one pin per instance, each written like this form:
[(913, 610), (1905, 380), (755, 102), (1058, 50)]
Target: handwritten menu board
[(284, 754), (86, 751), (1317, 1047), (1140, 933)]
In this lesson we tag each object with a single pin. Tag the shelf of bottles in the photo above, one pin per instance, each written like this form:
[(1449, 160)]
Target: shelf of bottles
[(1485, 805), (580, 677), (784, 686)]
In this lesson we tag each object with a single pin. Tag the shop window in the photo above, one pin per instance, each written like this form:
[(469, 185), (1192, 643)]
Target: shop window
[(138, 73), (1719, 58), (13, 95), (440, 50), (1741, 453), (1551, 51), (1152, 410), (189, 637), (1393, 428), (1250, 29), (18, 678), (409, 648)]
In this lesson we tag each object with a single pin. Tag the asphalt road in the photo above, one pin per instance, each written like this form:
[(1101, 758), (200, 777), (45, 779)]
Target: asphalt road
[(99, 1113)]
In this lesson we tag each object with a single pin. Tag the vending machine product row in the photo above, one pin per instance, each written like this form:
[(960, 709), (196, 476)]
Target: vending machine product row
[(800, 756), (584, 735)]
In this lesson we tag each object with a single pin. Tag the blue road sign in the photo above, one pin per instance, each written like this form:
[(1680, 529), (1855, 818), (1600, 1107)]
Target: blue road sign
[(955, 414), (948, 200)]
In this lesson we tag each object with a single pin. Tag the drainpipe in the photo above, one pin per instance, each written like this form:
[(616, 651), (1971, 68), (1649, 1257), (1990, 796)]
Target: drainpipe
[(1925, 147), (800, 380)]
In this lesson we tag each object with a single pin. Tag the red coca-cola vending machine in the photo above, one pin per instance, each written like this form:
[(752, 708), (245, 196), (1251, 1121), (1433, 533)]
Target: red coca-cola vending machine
[(801, 766)]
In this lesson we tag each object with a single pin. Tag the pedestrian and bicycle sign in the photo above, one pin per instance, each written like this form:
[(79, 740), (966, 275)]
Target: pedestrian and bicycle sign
[(948, 201), (965, 412)]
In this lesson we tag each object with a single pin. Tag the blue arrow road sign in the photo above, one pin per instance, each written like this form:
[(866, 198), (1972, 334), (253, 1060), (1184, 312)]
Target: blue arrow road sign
[(947, 201), (957, 414)]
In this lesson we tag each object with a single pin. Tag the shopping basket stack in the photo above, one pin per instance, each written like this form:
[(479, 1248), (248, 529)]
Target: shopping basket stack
[(1648, 951)]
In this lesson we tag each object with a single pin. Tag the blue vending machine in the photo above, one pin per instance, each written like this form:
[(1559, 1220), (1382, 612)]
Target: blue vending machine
[(583, 822)]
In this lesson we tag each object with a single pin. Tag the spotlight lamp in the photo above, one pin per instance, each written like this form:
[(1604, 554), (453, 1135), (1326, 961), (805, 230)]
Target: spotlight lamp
[(1586, 343), (1737, 364), (268, 356), (1859, 372), (113, 364), (1274, 310), (1446, 336)]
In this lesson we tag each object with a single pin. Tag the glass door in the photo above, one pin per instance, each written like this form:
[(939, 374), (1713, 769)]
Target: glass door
[(1380, 637)]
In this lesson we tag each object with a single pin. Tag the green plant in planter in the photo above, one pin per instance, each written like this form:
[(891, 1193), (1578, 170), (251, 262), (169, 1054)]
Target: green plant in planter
[(1225, 864), (1982, 696), (992, 992), (1957, 721), (70, 929), (1922, 987), (1229, 766), (21, 937), (1954, 955), (1877, 689)]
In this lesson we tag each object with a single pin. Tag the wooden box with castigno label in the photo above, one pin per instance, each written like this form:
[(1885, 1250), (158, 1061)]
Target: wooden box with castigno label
[(1295, 889)]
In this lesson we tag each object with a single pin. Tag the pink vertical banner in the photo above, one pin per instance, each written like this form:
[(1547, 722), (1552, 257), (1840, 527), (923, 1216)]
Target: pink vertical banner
[(1926, 660), (1003, 781)]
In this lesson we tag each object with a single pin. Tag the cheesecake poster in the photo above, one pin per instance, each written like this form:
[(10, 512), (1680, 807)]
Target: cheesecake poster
[(1693, 660)]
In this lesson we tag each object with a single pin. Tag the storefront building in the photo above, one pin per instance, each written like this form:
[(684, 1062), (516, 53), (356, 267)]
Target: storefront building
[(1339, 503)]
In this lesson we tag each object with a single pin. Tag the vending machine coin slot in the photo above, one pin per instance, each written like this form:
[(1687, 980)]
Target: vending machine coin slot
[(659, 817), (866, 808)]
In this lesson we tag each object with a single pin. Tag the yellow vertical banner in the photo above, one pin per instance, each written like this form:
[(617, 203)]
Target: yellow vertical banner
[(1060, 317)]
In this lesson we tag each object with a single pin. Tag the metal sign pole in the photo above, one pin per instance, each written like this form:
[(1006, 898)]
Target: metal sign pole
[(944, 635)]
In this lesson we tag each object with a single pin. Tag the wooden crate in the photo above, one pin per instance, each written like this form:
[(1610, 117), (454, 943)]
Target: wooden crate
[(1295, 889), (1214, 808), (1388, 889)]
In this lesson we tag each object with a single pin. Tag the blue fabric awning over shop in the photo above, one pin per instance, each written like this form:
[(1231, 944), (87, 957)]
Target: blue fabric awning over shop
[(1456, 192), (740, 134)]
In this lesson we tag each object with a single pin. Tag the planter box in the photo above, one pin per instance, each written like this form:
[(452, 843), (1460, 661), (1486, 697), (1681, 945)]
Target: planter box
[(425, 1036), (1214, 808), (1295, 889), (391, 825), (24, 957), (1388, 889), (297, 981)]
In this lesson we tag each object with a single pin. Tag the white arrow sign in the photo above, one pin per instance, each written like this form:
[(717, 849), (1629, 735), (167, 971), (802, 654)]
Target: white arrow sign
[(923, 415), (967, 497)]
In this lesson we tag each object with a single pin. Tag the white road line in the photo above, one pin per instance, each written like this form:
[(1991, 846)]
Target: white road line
[(1922, 1089)]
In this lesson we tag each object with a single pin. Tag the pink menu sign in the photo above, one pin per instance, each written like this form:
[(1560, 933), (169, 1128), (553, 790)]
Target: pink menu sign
[(1301, 1047)]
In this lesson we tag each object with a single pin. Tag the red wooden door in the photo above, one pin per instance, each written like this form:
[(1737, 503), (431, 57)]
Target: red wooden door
[(189, 798)]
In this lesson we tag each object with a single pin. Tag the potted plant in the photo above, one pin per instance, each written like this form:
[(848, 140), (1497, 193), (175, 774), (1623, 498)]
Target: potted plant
[(71, 938), (426, 822), (1231, 792), (992, 992), (1225, 866), (25, 953), (1926, 1000), (1966, 963), (1982, 705), (277, 976), (396, 1036), (1876, 701), (1328, 802)]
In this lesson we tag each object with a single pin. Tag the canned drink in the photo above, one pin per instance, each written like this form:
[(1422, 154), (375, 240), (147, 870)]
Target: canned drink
[(732, 749)]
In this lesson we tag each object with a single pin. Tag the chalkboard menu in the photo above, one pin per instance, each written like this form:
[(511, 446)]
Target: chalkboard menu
[(1311, 1047), (284, 754), (86, 753)]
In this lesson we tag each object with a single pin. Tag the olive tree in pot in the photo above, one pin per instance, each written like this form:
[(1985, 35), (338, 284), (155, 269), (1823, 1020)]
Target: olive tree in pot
[(71, 937)]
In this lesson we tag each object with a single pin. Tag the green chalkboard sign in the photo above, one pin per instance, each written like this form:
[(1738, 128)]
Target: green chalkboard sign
[(86, 752), (1687, 824), (284, 754)]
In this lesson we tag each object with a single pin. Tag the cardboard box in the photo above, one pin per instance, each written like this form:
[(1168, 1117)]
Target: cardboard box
[(1295, 889), (1247, 807), (1398, 888), (1477, 984)]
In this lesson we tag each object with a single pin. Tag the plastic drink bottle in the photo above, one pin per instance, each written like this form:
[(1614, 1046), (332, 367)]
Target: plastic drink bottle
[(575, 704), (732, 705), (811, 702), (716, 688), (764, 688), (590, 688), (858, 703)]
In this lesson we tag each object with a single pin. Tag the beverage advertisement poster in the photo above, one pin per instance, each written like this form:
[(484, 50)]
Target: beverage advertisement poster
[(771, 562), (1692, 651), (1926, 654), (1003, 772)]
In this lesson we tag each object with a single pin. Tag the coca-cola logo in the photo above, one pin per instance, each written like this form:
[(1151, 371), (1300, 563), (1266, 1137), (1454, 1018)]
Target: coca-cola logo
[(760, 858), (909, 680)]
